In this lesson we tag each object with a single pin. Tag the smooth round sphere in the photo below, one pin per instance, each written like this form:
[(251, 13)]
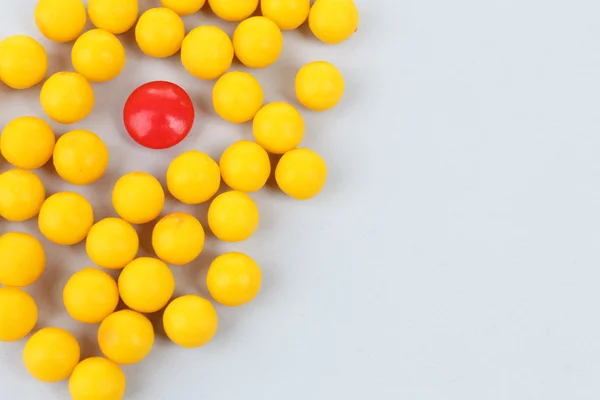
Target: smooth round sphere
[(146, 285), (66, 218), (278, 127), (333, 21), (257, 42), (90, 296), (193, 177), (138, 197), (98, 55), (245, 166), (51, 354), (234, 279), (126, 337), (80, 157), (114, 16), (112, 243), (23, 62), (190, 321), (287, 14), (27, 142), (233, 10), (18, 314), (97, 378), (207, 52), (178, 238), (233, 216), (160, 32), (301, 174), (23, 259), (67, 97), (21, 195), (183, 7), (237, 97), (319, 86), (60, 20)]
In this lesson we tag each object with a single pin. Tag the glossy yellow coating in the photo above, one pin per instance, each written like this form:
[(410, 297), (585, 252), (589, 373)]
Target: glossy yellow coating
[(146, 285), (60, 20), (91, 295), (193, 177), (237, 97), (183, 7), (333, 21), (190, 321), (18, 314), (278, 127), (126, 337), (178, 238), (67, 97), (112, 243), (138, 197), (23, 62), (287, 14), (233, 10), (114, 16), (51, 354), (66, 218), (27, 142), (98, 55), (23, 259), (245, 166), (207, 52), (233, 216), (234, 279), (160, 32), (301, 174), (257, 42), (319, 86), (97, 378), (80, 157), (21, 195)]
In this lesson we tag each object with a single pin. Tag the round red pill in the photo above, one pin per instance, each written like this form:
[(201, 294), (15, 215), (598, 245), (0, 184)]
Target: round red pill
[(158, 115)]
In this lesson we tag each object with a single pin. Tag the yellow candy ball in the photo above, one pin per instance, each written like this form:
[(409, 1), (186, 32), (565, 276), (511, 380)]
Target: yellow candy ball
[(97, 378), (146, 285), (333, 21), (91, 295), (27, 142), (233, 216), (301, 174), (67, 97), (18, 314), (287, 14), (319, 86), (138, 197), (245, 166), (112, 243), (193, 177), (183, 7), (207, 52), (98, 55), (178, 238), (190, 321), (23, 62), (60, 20), (114, 16), (233, 10), (126, 337), (66, 218), (257, 42), (21, 195), (234, 279), (278, 127), (160, 32), (237, 97), (23, 259), (80, 157), (51, 354)]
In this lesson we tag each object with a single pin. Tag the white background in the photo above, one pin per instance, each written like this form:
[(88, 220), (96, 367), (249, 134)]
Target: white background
[(455, 252)]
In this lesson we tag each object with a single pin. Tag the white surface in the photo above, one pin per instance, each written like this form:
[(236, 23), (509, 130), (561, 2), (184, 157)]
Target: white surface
[(455, 252)]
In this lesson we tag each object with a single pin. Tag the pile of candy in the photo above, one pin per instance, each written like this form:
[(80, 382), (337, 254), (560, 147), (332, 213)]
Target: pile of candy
[(157, 115)]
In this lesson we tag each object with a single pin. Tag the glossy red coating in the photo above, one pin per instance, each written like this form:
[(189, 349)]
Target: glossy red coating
[(158, 115)]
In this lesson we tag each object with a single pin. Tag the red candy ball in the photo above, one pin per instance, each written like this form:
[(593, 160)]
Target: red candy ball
[(158, 115)]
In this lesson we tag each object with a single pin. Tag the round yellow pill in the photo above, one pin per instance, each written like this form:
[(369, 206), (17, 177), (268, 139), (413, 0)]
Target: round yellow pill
[(80, 157), (126, 337), (66, 218), (98, 55), (245, 166), (27, 142), (138, 197), (51, 354), (91, 295), (278, 127), (233, 10), (23, 259), (301, 174), (60, 20), (146, 285), (112, 243), (319, 86), (67, 97), (287, 14), (193, 177), (97, 378), (233, 216), (190, 321), (183, 7), (237, 97), (160, 32), (333, 21), (257, 42), (178, 238), (18, 314), (21, 195), (23, 62), (234, 279), (207, 52), (114, 16)]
